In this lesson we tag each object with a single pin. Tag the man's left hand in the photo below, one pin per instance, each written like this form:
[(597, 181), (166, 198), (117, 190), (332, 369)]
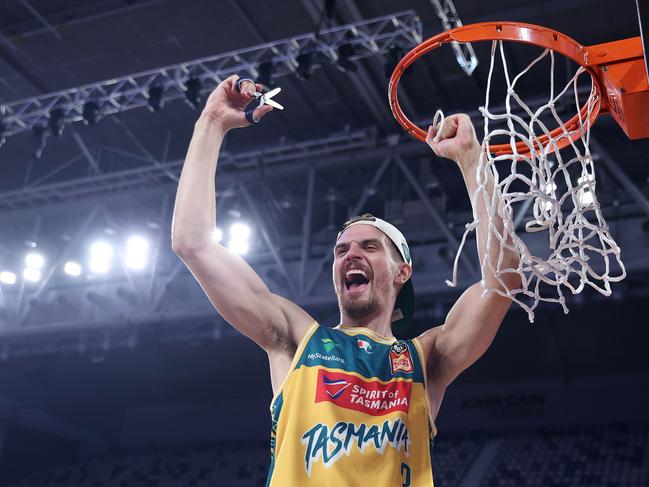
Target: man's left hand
[(457, 140)]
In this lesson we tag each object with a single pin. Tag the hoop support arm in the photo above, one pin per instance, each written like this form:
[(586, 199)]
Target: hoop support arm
[(621, 69)]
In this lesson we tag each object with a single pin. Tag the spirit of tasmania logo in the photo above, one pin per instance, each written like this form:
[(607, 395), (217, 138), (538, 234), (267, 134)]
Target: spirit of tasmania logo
[(371, 397), (400, 358), (329, 443)]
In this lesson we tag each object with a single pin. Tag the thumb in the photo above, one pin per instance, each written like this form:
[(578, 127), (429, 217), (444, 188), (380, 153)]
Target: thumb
[(431, 139), (259, 113), (430, 135), (442, 148)]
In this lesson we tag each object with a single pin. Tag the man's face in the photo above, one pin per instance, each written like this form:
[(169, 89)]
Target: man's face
[(364, 271)]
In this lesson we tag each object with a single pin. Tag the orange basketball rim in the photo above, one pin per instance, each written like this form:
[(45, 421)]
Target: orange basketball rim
[(618, 71)]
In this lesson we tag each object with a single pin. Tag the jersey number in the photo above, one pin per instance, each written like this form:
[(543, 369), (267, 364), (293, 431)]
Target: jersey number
[(405, 473)]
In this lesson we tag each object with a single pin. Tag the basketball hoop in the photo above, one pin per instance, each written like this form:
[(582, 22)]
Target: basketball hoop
[(561, 190)]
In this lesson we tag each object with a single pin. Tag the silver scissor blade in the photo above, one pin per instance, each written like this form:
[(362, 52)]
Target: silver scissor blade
[(272, 93), (274, 104)]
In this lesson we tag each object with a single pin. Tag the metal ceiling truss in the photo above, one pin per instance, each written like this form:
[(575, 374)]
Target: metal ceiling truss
[(368, 38), (47, 190), (362, 80), (464, 53), (380, 61), (44, 191)]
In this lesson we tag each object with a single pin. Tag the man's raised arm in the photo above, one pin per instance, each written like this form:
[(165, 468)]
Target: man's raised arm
[(473, 321), (232, 286)]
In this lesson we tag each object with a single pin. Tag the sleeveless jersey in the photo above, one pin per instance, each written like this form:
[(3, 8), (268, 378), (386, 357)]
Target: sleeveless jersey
[(353, 410)]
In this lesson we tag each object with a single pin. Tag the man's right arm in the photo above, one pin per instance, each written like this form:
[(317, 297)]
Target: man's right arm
[(232, 286)]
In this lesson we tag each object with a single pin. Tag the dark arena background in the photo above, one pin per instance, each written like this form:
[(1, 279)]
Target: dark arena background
[(114, 368)]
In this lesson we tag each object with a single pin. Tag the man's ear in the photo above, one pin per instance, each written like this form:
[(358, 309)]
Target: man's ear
[(405, 271)]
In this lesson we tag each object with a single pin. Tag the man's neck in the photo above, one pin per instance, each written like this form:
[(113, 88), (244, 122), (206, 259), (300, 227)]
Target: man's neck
[(380, 322)]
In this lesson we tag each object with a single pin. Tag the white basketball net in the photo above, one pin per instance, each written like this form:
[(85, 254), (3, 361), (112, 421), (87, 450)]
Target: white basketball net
[(561, 191)]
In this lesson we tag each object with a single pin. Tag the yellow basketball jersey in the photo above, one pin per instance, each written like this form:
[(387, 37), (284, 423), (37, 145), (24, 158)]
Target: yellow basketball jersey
[(353, 410)]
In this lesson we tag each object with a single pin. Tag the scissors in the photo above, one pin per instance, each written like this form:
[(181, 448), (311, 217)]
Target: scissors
[(264, 99)]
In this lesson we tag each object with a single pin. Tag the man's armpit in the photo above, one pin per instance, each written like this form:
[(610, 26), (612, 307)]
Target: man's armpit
[(280, 341)]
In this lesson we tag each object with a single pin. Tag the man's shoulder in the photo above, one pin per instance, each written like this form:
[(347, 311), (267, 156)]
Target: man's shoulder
[(428, 339)]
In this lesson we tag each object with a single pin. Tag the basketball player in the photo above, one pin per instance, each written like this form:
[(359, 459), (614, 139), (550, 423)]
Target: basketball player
[(353, 405)]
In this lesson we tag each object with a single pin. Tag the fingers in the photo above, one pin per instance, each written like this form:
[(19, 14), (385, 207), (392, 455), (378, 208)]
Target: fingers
[(261, 111), (438, 137), (447, 129), (248, 88), (453, 138), (230, 80), (240, 95), (430, 135), (464, 124), (451, 126)]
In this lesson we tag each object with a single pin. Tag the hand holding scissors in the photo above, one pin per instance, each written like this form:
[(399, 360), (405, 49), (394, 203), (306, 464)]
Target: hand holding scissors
[(263, 98)]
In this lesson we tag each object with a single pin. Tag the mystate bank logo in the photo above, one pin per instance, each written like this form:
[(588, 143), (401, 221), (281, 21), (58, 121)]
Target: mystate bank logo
[(370, 397)]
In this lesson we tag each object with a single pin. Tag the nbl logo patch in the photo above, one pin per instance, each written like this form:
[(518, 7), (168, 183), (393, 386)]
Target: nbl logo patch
[(400, 360), (371, 397)]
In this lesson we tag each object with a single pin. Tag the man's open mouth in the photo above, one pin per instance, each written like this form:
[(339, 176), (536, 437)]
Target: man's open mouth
[(356, 280)]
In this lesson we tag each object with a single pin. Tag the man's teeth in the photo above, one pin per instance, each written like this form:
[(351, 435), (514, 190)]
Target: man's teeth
[(356, 271)]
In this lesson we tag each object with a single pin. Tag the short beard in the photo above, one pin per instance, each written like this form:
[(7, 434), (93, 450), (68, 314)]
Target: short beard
[(355, 309)]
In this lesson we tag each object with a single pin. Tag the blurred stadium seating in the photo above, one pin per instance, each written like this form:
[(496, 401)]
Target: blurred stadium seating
[(615, 455), (598, 456)]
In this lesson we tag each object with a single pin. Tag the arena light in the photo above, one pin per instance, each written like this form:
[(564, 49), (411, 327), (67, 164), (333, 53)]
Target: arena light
[(193, 91), (585, 194), (156, 94), (72, 269), (394, 55), (217, 235), (34, 260), (91, 113), (345, 63), (101, 254), (3, 132), (550, 188), (137, 253), (304, 65), (7, 277), (239, 231), (56, 122), (238, 246), (32, 275), (265, 76), (40, 136)]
